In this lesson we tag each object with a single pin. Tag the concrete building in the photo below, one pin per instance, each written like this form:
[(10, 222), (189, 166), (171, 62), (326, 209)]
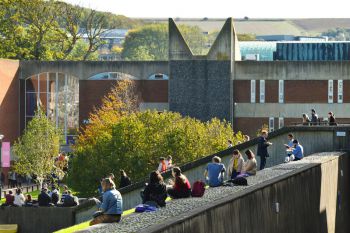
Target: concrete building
[(246, 93)]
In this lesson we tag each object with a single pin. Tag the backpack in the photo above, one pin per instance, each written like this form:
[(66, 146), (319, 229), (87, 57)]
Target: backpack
[(198, 189), (144, 208), (240, 181)]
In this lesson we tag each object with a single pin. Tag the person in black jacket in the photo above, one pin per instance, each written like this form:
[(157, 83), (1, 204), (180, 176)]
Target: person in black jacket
[(331, 119), (262, 148), (124, 179), (155, 191), (44, 198)]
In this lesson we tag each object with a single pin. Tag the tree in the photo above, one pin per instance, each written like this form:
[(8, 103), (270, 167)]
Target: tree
[(37, 148), (150, 42), (246, 37), (137, 140), (79, 51), (120, 101)]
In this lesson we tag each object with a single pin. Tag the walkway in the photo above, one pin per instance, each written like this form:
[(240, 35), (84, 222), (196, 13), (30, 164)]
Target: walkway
[(181, 207)]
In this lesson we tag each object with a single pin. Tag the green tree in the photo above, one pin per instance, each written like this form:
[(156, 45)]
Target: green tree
[(150, 42), (80, 50), (137, 140), (37, 147)]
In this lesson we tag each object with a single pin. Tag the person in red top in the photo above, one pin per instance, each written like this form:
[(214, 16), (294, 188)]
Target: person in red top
[(181, 187), (10, 198), (162, 167)]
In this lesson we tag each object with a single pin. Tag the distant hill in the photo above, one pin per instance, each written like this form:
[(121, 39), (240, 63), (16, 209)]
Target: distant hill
[(297, 27)]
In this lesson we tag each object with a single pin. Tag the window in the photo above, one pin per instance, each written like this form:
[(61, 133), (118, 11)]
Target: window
[(330, 91), (252, 91), (271, 124), (280, 122), (280, 91), (158, 76), (58, 96), (340, 91), (262, 91)]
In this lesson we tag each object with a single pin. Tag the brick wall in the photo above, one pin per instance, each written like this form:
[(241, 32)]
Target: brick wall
[(91, 93)]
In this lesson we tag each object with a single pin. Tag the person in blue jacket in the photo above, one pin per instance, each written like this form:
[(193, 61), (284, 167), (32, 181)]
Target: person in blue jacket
[(111, 208), (298, 150), (262, 148)]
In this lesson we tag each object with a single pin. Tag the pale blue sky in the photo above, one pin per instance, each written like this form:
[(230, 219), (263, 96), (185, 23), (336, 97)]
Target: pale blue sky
[(222, 8)]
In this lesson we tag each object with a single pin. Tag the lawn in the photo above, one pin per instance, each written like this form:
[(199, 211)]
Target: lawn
[(34, 194), (84, 225)]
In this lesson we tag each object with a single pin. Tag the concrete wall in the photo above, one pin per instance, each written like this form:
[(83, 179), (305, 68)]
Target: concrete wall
[(313, 198), (314, 139), (46, 219), (86, 69)]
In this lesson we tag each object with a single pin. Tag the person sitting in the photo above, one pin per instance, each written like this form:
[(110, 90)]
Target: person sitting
[(124, 179), (229, 144), (69, 200), (306, 119), (9, 199), (314, 117), (249, 167), (162, 165), (55, 195), (298, 150), (214, 172), (155, 191), (169, 162), (29, 201), (64, 193), (235, 165), (111, 206), (44, 198), (331, 119), (181, 187), (19, 198)]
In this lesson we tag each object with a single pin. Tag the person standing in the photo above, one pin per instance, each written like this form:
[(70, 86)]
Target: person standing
[(229, 144), (124, 179), (331, 119), (215, 172), (262, 152), (162, 165), (314, 117)]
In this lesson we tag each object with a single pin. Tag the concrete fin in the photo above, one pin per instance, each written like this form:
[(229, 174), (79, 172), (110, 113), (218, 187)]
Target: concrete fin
[(178, 48), (225, 47)]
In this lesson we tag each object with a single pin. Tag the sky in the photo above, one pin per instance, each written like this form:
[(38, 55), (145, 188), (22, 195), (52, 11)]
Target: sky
[(221, 8)]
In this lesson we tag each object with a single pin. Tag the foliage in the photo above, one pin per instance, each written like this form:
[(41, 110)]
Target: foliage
[(79, 51), (246, 37), (51, 30), (37, 147), (150, 42), (338, 34), (263, 127), (137, 140)]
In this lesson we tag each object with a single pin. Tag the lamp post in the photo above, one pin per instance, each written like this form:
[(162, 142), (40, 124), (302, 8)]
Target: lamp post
[(1, 137)]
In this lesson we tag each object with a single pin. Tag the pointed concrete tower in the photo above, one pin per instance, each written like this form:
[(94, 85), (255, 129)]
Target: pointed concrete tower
[(178, 48)]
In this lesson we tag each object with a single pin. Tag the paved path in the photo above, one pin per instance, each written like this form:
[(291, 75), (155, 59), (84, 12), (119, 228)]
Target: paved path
[(174, 208)]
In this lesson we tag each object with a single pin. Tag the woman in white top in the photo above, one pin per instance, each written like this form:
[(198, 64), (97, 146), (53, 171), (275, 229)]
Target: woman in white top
[(249, 168), (19, 198)]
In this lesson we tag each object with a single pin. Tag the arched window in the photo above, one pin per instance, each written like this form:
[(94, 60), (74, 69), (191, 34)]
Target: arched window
[(111, 76), (58, 96), (158, 76)]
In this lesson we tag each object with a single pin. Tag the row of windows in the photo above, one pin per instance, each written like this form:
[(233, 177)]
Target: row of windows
[(281, 91), (272, 123)]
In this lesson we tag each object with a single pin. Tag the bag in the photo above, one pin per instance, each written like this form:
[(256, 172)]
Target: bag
[(240, 181), (198, 189), (144, 208)]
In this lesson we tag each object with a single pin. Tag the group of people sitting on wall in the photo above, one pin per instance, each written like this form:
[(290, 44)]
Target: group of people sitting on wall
[(157, 191), (315, 120), (46, 198)]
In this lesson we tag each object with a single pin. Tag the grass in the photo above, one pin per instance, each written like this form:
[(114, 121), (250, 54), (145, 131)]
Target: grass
[(34, 194), (84, 225)]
